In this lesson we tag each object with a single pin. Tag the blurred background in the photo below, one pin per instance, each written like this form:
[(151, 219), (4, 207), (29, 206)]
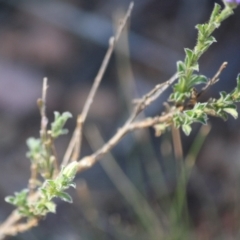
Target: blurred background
[(126, 195)]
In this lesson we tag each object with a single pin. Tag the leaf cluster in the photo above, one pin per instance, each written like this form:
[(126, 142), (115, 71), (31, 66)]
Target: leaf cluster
[(220, 107), (42, 156), (186, 68)]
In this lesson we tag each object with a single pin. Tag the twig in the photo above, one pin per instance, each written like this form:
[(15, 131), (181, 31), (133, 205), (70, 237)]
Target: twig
[(214, 79), (18, 228), (42, 107), (78, 131), (89, 161), (43, 132), (55, 160), (129, 125), (195, 95), (13, 218), (151, 96), (33, 177), (78, 138), (70, 148)]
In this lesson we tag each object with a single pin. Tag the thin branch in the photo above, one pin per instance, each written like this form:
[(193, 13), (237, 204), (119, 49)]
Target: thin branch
[(78, 138), (151, 96), (33, 178), (70, 148), (42, 108), (89, 161), (78, 131), (129, 125), (195, 95), (43, 132), (214, 79), (18, 228), (13, 218), (54, 151)]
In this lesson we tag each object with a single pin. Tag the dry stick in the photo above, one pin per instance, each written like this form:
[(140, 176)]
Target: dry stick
[(78, 138), (214, 79), (42, 107), (75, 143), (89, 161), (22, 227), (151, 96), (54, 151), (147, 99), (33, 177), (43, 131), (8, 223)]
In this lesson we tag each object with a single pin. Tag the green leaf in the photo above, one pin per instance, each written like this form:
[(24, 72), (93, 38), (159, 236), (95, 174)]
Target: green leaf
[(189, 56), (202, 119), (35, 148), (210, 40), (70, 170), (20, 198), (186, 129), (223, 115), (51, 183), (195, 67), (200, 106), (238, 82), (197, 79), (65, 197), (73, 185), (10, 199), (51, 207), (181, 67), (44, 192), (232, 112), (201, 29), (58, 124), (215, 12), (236, 92), (40, 208)]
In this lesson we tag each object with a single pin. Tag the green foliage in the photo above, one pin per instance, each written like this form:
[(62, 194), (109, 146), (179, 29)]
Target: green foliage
[(40, 149), (186, 69), (188, 79), (20, 201), (51, 188), (41, 154), (186, 118), (58, 124), (35, 148), (215, 107)]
